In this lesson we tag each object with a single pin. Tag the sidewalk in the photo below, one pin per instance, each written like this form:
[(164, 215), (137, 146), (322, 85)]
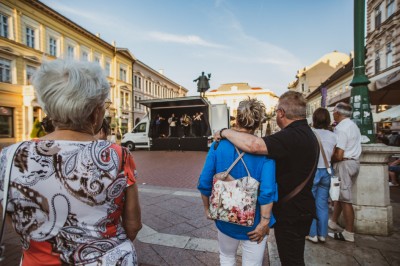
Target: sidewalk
[(187, 238), (175, 232)]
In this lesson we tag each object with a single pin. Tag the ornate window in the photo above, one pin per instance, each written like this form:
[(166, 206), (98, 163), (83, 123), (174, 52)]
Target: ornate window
[(4, 25), (389, 55), (5, 70), (6, 122), (377, 62), (390, 8), (378, 16)]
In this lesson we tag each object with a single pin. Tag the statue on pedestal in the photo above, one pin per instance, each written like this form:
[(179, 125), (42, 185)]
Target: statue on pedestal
[(202, 83)]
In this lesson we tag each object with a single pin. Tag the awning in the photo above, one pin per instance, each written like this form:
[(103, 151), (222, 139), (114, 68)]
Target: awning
[(386, 89), (387, 116), (343, 97)]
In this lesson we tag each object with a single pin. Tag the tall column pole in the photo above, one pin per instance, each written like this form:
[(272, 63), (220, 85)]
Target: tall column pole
[(359, 99)]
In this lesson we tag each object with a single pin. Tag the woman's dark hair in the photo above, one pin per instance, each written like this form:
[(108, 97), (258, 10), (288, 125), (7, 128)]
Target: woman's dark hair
[(321, 118), (105, 127), (47, 125)]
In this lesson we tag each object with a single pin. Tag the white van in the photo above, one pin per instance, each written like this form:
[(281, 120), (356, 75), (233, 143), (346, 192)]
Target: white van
[(139, 137), (216, 116)]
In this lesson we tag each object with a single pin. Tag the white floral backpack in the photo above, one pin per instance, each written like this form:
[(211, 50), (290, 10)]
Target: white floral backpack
[(234, 200)]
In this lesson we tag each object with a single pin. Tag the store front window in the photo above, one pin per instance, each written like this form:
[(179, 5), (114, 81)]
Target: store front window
[(6, 122)]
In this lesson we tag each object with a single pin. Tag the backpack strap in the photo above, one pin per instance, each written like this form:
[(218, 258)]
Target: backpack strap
[(241, 158)]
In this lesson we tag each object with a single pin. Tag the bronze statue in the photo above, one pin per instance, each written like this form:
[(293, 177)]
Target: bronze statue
[(202, 83)]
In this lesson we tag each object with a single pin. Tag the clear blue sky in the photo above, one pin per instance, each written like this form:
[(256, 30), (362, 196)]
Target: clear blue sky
[(261, 42)]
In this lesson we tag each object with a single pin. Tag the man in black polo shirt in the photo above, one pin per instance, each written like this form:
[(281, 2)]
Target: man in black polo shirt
[(296, 151)]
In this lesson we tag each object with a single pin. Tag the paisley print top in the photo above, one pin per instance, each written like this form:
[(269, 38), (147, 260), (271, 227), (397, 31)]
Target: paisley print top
[(66, 201)]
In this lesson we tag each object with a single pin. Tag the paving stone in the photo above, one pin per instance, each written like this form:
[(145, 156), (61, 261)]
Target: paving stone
[(174, 204), (168, 240), (204, 232), (157, 223), (154, 209), (178, 229), (210, 258), (174, 256), (147, 255), (203, 245), (172, 218), (193, 211), (200, 222)]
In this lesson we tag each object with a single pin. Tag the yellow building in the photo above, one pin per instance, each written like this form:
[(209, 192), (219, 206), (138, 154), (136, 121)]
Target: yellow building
[(309, 78), (232, 93), (31, 32), (337, 89)]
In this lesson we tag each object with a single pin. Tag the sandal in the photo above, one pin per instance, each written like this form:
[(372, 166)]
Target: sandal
[(337, 236)]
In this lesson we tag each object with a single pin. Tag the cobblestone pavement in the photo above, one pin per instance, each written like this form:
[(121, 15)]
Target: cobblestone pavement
[(175, 231)]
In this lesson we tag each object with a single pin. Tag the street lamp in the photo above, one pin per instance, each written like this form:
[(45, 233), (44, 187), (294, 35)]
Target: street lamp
[(359, 98)]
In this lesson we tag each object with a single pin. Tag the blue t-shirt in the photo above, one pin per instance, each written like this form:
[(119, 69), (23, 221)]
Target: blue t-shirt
[(260, 168)]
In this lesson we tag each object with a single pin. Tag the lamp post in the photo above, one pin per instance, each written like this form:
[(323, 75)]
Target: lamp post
[(359, 99)]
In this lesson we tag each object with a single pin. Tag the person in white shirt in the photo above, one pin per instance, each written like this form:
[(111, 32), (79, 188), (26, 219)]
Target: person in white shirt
[(347, 166), (322, 179)]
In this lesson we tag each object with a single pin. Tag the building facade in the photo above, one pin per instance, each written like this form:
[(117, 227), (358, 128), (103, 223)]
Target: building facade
[(31, 32), (383, 56), (311, 77), (334, 89), (232, 93), (151, 84)]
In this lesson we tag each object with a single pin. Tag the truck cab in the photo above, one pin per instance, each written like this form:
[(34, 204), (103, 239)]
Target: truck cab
[(139, 136)]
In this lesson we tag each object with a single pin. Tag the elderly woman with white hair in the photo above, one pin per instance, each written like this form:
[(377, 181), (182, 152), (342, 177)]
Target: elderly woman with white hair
[(242, 224), (73, 198)]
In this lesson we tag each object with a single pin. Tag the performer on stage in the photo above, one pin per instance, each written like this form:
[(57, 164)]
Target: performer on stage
[(173, 123), (186, 123)]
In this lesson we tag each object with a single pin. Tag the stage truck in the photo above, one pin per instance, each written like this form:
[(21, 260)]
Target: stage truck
[(196, 122)]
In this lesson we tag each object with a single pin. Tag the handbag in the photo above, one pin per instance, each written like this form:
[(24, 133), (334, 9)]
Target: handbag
[(7, 176), (334, 189), (234, 200)]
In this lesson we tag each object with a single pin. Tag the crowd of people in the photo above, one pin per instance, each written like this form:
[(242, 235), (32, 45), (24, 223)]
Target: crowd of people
[(78, 190)]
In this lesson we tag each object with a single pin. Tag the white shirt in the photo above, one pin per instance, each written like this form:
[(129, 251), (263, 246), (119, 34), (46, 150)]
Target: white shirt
[(348, 138), (328, 142)]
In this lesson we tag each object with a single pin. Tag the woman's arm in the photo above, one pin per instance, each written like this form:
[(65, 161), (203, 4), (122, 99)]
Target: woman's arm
[(132, 221)]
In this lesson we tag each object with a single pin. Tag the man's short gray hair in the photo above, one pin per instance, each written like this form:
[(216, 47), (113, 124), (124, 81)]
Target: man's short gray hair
[(69, 91), (294, 105), (344, 109)]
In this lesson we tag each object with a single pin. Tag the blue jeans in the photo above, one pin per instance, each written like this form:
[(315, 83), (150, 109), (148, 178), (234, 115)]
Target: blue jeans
[(320, 190)]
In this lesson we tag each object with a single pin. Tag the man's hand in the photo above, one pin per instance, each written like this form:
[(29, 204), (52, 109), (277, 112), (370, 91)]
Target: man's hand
[(259, 233)]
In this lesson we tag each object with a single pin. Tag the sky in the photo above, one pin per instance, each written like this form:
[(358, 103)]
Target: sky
[(260, 42)]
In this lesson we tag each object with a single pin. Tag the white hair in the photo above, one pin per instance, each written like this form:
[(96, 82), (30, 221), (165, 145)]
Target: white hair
[(69, 91), (343, 109)]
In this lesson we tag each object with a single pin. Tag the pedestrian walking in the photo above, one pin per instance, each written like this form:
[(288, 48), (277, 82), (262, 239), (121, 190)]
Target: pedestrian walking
[(296, 151), (346, 166), (72, 199), (322, 179), (221, 155)]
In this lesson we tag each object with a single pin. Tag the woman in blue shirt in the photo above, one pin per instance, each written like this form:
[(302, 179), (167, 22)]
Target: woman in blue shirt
[(250, 115)]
